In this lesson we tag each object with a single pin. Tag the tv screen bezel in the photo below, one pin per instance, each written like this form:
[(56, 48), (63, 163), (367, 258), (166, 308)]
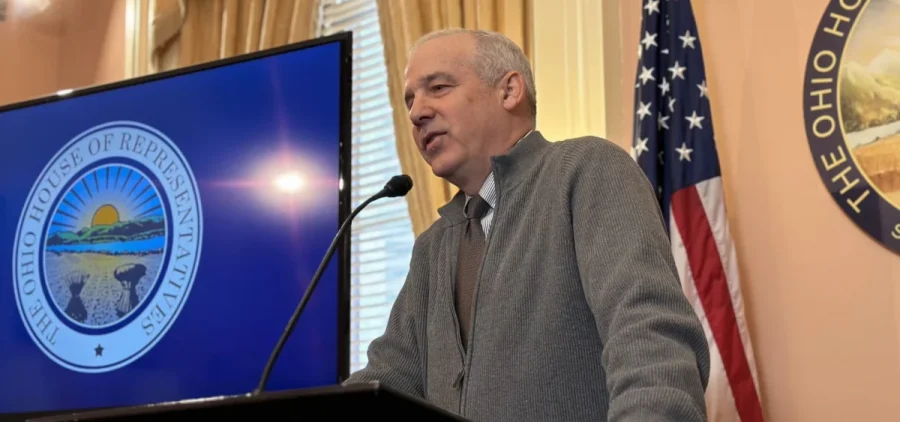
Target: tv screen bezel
[(345, 40)]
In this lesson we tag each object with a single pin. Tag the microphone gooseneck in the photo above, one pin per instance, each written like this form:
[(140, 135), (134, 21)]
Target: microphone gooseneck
[(397, 186)]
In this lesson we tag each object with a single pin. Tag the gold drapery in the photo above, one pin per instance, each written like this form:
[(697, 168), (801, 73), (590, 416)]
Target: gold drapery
[(175, 33), (402, 23)]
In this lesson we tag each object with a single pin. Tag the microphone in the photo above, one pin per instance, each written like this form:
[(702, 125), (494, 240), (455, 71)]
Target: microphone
[(398, 186)]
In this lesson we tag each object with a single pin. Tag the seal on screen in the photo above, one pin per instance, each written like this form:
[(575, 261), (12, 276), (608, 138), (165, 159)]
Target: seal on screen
[(107, 247), (851, 105)]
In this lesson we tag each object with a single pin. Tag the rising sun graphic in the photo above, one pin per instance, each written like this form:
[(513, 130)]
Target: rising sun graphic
[(106, 215)]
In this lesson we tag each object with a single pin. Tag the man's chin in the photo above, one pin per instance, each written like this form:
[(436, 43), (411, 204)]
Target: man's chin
[(439, 172), (442, 170)]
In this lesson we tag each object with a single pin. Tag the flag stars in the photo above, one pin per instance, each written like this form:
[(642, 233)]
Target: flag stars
[(647, 75), (649, 40), (684, 153), (652, 6), (695, 120), (672, 105), (677, 71), (687, 40), (703, 89), (664, 87), (661, 122), (641, 146), (643, 110)]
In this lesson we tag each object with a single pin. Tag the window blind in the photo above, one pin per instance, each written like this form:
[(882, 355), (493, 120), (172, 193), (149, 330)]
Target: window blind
[(381, 235)]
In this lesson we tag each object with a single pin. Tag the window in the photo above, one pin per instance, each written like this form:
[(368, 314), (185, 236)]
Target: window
[(381, 235)]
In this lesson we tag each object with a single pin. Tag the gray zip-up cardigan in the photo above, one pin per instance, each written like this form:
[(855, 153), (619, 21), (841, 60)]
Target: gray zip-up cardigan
[(579, 314)]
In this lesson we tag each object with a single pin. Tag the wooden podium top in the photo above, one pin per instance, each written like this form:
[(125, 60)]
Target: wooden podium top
[(372, 400)]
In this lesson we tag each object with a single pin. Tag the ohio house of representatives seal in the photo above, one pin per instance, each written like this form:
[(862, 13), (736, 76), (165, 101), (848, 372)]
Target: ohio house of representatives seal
[(107, 247), (852, 112)]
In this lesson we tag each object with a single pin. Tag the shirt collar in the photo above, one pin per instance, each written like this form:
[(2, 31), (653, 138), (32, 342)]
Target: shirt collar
[(488, 192)]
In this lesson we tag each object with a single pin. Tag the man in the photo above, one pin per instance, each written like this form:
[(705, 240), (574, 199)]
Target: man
[(546, 290)]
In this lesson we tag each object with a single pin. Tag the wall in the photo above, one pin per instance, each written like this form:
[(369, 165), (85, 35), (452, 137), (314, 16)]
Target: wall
[(823, 299), (93, 43), (71, 44)]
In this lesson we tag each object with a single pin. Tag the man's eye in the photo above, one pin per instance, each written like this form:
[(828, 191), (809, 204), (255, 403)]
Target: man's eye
[(438, 87)]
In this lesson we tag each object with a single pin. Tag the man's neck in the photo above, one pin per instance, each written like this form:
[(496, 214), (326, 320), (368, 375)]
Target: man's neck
[(474, 186)]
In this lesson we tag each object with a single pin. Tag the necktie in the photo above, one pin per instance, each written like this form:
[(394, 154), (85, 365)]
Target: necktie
[(468, 264)]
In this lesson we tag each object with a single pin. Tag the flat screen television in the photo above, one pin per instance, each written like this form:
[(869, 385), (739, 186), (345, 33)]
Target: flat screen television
[(157, 233)]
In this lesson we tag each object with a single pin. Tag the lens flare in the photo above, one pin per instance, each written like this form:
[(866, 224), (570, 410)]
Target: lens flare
[(289, 182)]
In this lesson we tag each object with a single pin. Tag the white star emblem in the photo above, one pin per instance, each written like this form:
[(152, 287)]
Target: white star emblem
[(641, 147), (646, 75), (687, 39), (703, 89), (661, 122), (664, 87), (672, 105), (652, 6), (643, 110), (684, 153), (649, 40), (677, 71), (695, 120)]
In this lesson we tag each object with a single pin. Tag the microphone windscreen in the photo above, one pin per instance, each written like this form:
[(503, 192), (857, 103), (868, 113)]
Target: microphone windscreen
[(399, 185)]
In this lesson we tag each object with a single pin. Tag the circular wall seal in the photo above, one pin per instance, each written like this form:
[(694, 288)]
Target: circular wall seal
[(107, 247), (851, 106)]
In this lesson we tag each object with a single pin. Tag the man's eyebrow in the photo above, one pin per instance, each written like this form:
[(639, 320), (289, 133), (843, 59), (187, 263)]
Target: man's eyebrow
[(427, 79)]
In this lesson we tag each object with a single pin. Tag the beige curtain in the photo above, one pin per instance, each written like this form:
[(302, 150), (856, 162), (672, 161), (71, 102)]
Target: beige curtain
[(174, 33), (402, 23)]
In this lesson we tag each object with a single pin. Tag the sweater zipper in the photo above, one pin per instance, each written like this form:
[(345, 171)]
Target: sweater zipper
[(466, 356), (462, 353)]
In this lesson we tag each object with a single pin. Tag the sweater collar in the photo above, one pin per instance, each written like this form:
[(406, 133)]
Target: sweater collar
[(508, 170)]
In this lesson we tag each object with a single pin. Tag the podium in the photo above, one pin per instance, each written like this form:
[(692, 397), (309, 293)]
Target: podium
[(372, 401)]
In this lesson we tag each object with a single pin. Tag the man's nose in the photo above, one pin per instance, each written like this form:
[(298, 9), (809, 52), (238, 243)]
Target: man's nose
[(420, 112)]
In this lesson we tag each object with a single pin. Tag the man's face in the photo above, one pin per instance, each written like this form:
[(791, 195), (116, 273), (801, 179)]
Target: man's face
[(450, 107)]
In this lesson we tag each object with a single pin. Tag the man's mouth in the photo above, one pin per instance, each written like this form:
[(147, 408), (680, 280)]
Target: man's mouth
[(429, 138)]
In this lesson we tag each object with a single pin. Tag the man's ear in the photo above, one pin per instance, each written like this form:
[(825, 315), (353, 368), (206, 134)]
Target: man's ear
[(513, 90)]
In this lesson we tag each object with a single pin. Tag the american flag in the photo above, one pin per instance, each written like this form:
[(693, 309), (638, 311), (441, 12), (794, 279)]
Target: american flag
[(675, 145)]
